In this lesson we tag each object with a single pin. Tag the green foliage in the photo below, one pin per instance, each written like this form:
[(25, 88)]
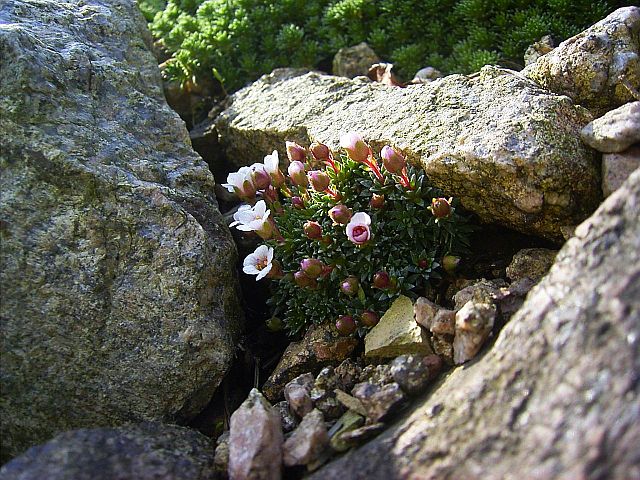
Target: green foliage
[(149, 8), (243, 39)]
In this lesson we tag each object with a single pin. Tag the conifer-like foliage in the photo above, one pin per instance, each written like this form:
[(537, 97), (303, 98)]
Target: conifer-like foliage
[(239, 40)]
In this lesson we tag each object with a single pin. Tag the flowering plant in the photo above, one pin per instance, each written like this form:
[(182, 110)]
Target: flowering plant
[(346, 236)]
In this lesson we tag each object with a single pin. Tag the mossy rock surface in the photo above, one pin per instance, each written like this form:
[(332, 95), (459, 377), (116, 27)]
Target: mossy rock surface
[(118, 281)]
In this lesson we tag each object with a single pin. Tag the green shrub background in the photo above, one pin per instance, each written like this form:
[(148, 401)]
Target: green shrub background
[(243, 39)]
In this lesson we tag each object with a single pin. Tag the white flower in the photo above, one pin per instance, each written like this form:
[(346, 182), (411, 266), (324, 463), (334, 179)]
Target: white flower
[(253, 219), (272, 163), (259, 262), (358, 228), (241, 182)]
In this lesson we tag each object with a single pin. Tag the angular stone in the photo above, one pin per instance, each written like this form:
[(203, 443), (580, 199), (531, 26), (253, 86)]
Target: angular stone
[(288, 419), (426, 75), (434, 318), (221, 456), (616, 168), (296, 392), (381, 403), (377, 374), (354, 61), (350, 402), (359, 435), (320, 346), (308, 441), (557, 395), (531, 262), (349, 421), (539, 48), (510, 299), (396, 333), (147, 451), (485, 290), (118, 276), (509, 150), (589, 67), (414, 372), (255, 440), (474, 322), (615, 131)]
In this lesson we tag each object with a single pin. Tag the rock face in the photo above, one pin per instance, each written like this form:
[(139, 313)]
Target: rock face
[(117, 274), (508, 149), (589, 67), (558, 394), (616, 130), (616, 168), (353, 61), (143, 452)]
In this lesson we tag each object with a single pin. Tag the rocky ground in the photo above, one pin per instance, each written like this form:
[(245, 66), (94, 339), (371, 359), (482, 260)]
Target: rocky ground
[(121, 307)]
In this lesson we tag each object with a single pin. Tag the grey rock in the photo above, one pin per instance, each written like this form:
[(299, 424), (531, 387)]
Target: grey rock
[(616, 130), (221, 456), (354, 61), (509, 150), (377, 374), (589, 67), (351, 403), (380, 402), (539, 48), (119, 291), (308, 441), (287, 418), (531, 262), (347, 374), (296, 392), (474, 322), (323, 393), (434, 318), (616, 168), (482, 290), (557, 395), (358, 436), (135, 452), (255, 440), (426, 75), (510, 299), (414, 372)]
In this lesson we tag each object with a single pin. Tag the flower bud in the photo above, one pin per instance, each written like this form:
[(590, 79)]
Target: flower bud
[(345, 325), (312, 267), (369, 318), (340, 214), (381, 280), (441, 207), (276, 272), (320, 151), (377, 201), (319, 180), (274, 324), (450, 263), (350, 286), (302, 280), (297, 202), (356, 148), (326, 271), (392, 160), (270, 195), (295, 152), (260, 178), (297, 173), (312, 230)]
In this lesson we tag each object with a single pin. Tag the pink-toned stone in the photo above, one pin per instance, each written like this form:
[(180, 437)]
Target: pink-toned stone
[(296, 392), (474, 322), (308, 441), (255, 440)]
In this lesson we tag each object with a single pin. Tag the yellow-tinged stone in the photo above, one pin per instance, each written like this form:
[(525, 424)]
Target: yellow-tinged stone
[(397, 333)]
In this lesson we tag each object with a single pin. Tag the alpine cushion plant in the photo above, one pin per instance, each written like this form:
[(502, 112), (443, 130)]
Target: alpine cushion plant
[(345, 235)]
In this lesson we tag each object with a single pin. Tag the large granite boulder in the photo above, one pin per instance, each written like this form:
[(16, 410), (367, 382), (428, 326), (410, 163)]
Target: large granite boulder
[(149, 451), (593, 67), (118, 279), (558, 394), (510, 150)]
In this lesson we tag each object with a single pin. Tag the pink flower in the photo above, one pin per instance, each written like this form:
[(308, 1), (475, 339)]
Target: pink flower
[(355, 147), (358, 230), (392, 160), (296, 152), (297, 173)]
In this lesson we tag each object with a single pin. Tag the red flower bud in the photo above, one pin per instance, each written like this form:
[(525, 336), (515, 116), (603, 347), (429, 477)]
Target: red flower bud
[(296, 152), (302, 280), (441, 207), (297, 202), (350, 286), (312, 230), (261, 179), (424, 263), (377, 201), (381, 280), (319, 180), (345, 325), (356, 148), (320, 151), (312, 267), (392, 160), (369, 318), (341, 214)]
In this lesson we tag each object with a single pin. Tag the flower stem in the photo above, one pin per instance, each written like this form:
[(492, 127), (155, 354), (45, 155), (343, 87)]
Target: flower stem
[(371, 162)]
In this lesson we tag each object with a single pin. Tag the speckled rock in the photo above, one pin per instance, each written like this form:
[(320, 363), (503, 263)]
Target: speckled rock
[(531, 262), (588, 67), (508, 149), (616, 130), (149, 451), (359, 435), (486, 290), (320, 346), (348, 422), (474, 322), (296, 393), (539, 48), (426, 75), (323, 394), (308, 441), (557, 395), (354, 61), (396, 333), (380, 402), (287, 418), (221, 456), (414, 372), (255, 440), (616, 168), (119, 299)]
